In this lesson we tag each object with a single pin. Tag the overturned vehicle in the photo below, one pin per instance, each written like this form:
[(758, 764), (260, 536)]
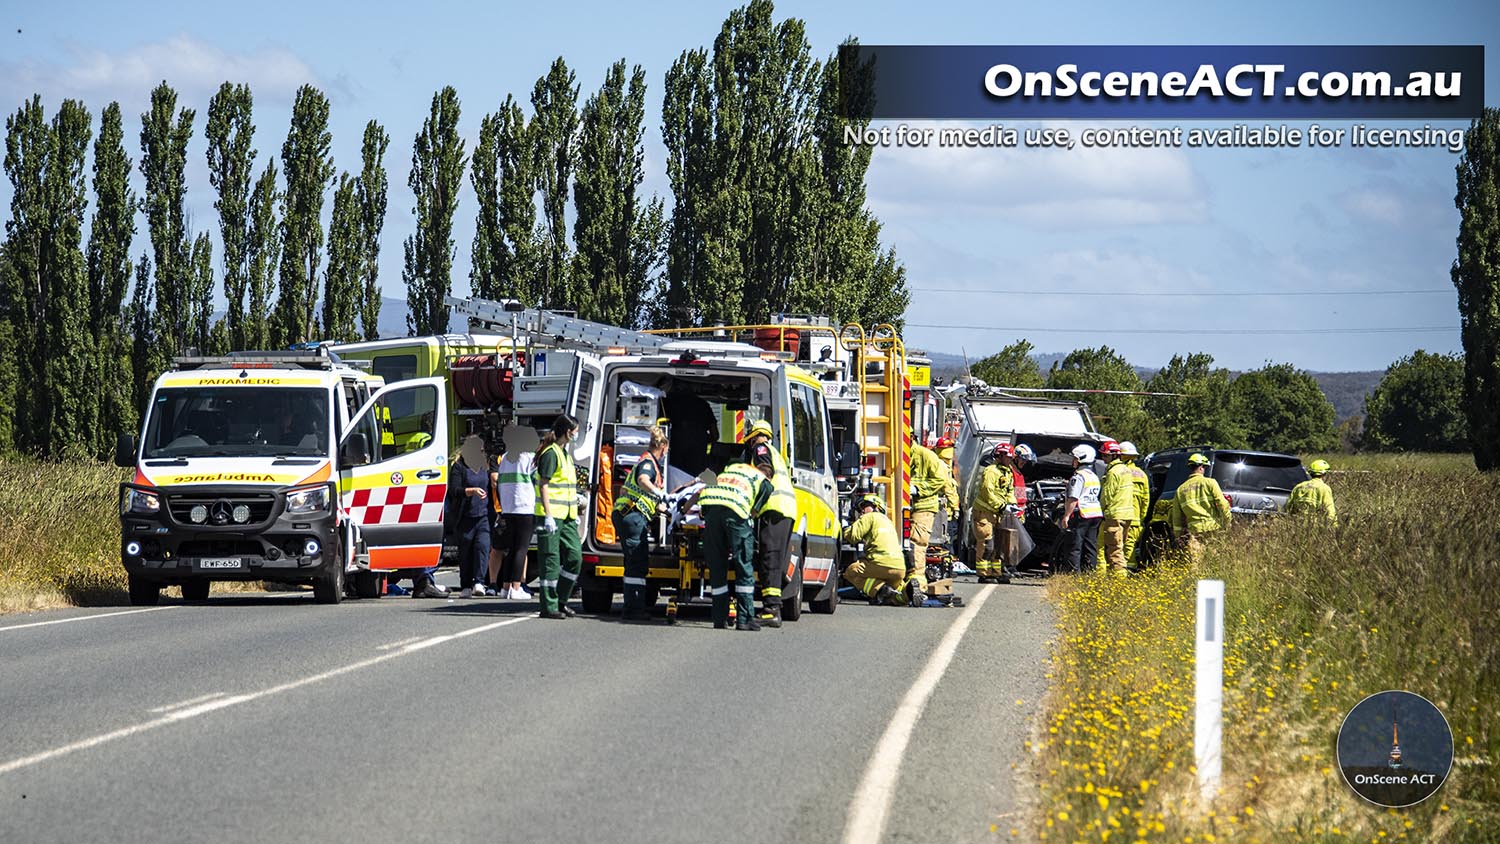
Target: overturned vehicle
[(1051, 429)]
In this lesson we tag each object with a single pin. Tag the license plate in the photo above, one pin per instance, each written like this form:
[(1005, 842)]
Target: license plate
[(221, 563)]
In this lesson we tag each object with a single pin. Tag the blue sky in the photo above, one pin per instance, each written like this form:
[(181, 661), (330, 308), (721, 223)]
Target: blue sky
[(1271, 222)]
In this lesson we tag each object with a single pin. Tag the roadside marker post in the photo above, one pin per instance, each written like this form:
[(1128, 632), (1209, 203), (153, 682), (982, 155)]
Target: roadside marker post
[(1208, 722)]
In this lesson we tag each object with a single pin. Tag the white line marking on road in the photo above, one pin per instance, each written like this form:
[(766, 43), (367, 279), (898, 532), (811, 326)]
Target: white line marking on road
[(223, 703), (83, 618), (171, 706), (877, 789), (390, 646)]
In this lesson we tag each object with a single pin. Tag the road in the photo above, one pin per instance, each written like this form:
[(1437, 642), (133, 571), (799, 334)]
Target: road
[(266, 717)]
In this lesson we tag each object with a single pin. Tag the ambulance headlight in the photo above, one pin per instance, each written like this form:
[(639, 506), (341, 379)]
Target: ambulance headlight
[(140, 502), (198, 515), (311, 499), (241, 513)]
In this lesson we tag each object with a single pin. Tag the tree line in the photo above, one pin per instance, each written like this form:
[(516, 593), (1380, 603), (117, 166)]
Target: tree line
[(768, 215)]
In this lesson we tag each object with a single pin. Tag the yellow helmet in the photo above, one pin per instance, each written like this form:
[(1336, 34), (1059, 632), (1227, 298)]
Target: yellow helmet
[(761, 426), (1198, 459), (1318, 467), (873, 500)]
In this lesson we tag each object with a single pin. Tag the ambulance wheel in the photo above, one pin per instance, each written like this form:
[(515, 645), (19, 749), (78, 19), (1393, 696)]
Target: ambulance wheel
[(791, 598), (598, 600), (329, 589), (826, 606), (195, 590), (143, 592), (368, 584)]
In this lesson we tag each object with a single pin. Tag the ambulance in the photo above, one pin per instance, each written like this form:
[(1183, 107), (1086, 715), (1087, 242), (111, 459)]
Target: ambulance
[(284, 468)]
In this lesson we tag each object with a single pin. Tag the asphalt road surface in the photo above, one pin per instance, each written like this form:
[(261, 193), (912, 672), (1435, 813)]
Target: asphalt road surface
[(266, 717)]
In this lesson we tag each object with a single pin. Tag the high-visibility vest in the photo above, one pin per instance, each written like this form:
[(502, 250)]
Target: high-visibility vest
[(634, 496), (562, 487), (783, 498), (1117, 493), (737, 488), (516, 484), (1088, 502)]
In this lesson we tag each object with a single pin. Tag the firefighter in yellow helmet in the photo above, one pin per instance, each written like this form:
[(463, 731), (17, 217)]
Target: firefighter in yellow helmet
[(773, 530), (932, 487), (1199, 508), (994, 493), (1117, 499), (880, 570), (1313, 497), (1141, 483)]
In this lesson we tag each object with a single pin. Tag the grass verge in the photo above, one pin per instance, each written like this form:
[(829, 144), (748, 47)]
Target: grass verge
[(1402, 595)]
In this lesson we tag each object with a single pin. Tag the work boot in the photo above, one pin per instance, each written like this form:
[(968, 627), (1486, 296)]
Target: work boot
[(748, 622), (770, 618), (915, 596), (888, 596), (721, 612)]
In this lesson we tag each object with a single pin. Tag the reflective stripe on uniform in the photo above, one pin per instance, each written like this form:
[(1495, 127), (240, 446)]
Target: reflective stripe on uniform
[(734, 489), (633, 495), (562, 487), (720, 590), (771, 591), (1088, 502), (549, 583), (744, 590), (569, 575), (635, 581)]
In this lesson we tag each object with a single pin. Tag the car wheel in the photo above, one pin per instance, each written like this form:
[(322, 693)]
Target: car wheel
[(143, 592)]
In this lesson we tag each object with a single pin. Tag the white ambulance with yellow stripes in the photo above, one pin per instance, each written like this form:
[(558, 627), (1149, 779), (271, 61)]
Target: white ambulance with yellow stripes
[(279, 467)]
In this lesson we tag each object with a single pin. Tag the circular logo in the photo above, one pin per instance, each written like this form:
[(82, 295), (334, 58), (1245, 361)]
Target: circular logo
[(1395, 749), (396, 479)]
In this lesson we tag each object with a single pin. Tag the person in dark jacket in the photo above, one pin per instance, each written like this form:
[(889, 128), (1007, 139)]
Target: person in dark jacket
[(466, 515)]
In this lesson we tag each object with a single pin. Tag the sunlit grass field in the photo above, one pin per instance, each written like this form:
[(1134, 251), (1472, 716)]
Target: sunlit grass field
[(1405, 594)]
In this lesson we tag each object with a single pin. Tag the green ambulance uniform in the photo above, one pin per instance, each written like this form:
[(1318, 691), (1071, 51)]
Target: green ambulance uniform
[(729, 509), (559, 551), (632, 516)]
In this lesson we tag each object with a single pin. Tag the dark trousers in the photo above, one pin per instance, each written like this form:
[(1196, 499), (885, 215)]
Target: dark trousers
[(728, 542), (1083, 544), (630, 526), (515, 541), (473, 552), (773, 535)]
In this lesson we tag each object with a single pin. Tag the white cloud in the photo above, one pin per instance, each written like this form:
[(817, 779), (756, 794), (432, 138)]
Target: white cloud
[(193, 67), (1042, 188), (1374, 205)]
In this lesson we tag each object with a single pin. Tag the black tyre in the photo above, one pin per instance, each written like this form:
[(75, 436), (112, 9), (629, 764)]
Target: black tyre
[(368, 584), (598, 599), (329, 589), (143, 592), (791, 598), (195, 590), (829, 601)]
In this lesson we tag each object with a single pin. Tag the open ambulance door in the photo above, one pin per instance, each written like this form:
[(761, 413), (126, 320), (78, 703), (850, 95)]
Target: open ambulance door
[(393, 474)]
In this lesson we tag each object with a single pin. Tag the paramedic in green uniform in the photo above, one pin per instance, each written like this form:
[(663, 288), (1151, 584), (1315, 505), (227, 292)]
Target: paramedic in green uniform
[(634, 510), (557, 511), (730, 506)]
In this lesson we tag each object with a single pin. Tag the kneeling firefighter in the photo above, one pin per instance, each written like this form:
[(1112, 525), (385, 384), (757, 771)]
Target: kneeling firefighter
[(881, 570), (773, 530), (729, 508)]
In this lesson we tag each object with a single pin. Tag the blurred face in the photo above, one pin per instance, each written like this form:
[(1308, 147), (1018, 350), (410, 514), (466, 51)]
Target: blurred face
[(568, 437)]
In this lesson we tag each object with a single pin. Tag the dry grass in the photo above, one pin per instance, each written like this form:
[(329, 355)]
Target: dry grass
[(1402, 595), (59, 531)]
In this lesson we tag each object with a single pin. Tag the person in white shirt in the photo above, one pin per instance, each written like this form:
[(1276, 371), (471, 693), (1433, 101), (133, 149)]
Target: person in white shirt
[(515, 506)]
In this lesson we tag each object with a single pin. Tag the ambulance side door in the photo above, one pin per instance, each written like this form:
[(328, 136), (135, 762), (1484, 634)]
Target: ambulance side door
[(394, 492)]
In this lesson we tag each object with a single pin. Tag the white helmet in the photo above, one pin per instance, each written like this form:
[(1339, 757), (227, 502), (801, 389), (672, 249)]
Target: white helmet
[(1128, 449), (1083, 453)]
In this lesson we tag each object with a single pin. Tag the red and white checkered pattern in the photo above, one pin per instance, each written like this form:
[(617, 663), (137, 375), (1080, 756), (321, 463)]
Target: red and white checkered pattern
[(398, 505)]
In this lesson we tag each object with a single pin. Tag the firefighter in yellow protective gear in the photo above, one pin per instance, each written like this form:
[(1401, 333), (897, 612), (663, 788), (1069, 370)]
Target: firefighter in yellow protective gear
[(880, 570), (932, 487), (995, 493), (1199, 509), (1117, 498), (1313, 497), (1142, 484), (773, 529)]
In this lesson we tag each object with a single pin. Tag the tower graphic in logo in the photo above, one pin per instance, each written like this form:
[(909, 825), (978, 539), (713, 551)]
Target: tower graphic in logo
[(1373, 760)]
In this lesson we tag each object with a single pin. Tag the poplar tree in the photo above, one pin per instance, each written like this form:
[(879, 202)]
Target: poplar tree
[(200, 292), (165, 132), (263, 253), (1476, 275), (145, 350), (693, 295), (616, 236), (72, 409), (489, 252), (111, 231), (437, 172), (518, 268), (341, 280), (29, 143), (308, 164), (554, 101), (231, 160), (371, 190)]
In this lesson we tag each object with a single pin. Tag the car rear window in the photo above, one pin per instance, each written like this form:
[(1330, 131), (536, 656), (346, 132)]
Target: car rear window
[(1258, 472)]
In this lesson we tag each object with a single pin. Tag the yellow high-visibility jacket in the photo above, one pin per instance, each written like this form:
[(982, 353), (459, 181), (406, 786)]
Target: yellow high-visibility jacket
[(1117, 493), (1313, 497), (932, 479), (1199, 507), (882, 543), (996, 488)]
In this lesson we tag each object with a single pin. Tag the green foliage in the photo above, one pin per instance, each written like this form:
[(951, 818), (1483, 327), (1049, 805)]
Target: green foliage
[(437, 172), (1476, 275), (489, 252), (308, 163), (1012, 366), (146, 358), (201, 291), (1283, 410), (263, 253), (616, 235), (66, 385), (1104, 369), (113, 225), (165, 133), (371, 189), (1203, 415), (554, 101), (231, 160), (518, 270), (9, 359), (28, 150), (341, 281), (1418, 406)]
